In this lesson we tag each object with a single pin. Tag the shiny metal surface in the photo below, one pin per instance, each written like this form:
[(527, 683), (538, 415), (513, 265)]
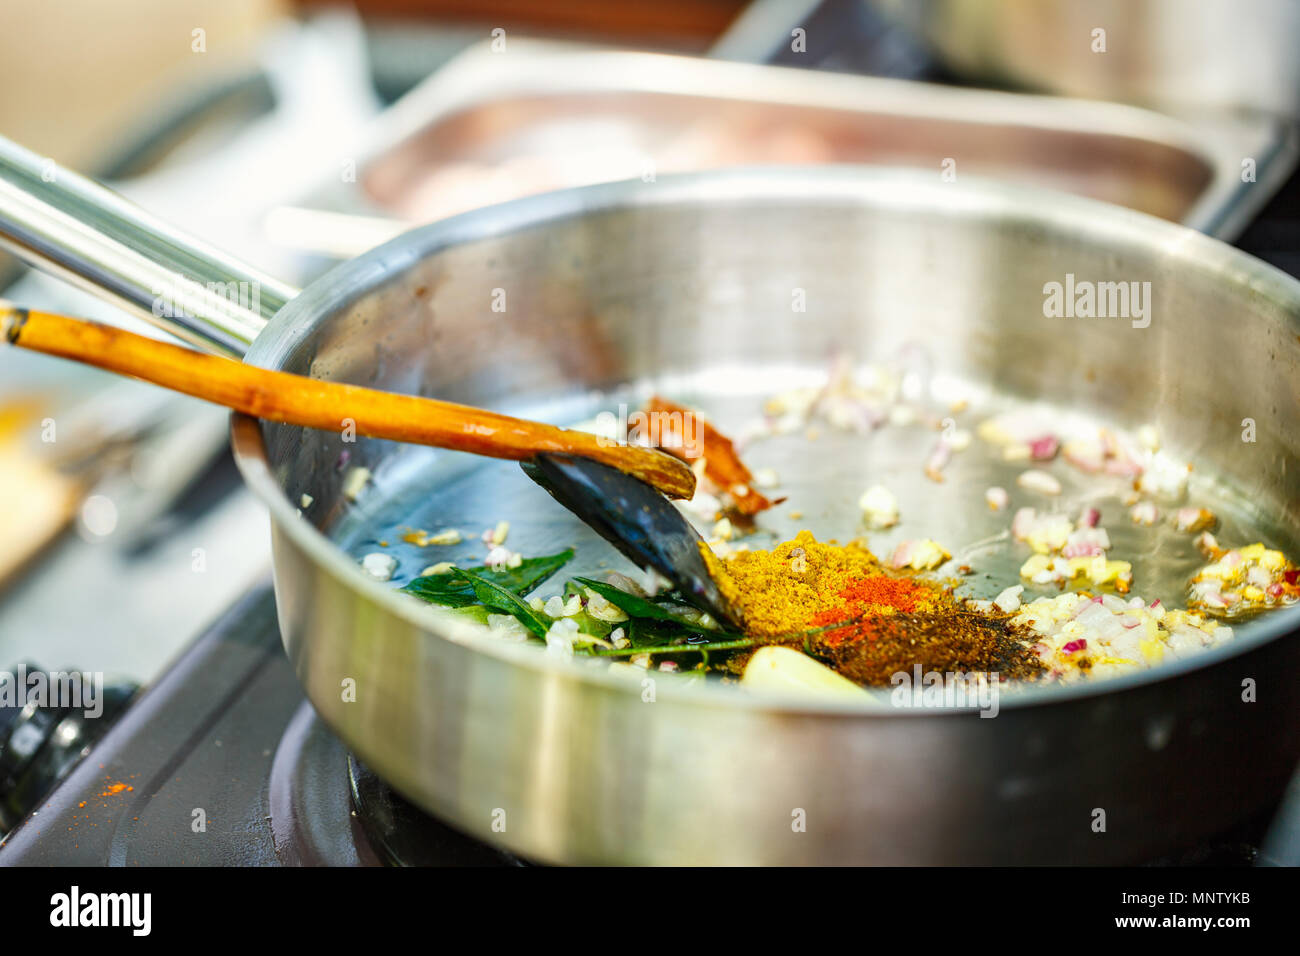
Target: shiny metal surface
[(77, 229), (1228, 55), (488, 128), (684, 285)]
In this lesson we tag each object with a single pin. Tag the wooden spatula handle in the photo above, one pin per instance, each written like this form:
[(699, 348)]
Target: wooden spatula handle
[(330, 406)]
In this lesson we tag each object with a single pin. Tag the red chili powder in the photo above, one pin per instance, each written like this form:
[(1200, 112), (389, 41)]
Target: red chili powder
[(869, 596)]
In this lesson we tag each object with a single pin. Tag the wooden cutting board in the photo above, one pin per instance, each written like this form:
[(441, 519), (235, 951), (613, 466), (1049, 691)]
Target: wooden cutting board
[(39, 501)]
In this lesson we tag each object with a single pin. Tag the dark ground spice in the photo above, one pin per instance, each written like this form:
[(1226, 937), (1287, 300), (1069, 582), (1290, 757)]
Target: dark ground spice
[(949, 638), (797, 593)]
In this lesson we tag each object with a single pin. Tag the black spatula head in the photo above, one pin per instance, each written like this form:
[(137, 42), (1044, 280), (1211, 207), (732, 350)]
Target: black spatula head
[(637, 520)]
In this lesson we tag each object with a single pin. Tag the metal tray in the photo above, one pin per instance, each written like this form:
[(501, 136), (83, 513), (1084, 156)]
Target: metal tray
[(490, 127)]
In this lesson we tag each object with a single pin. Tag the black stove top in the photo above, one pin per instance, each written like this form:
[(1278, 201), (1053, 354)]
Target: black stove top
[(223, 762)]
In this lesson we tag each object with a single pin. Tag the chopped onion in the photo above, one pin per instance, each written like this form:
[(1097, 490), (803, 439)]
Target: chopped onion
[(1040, 481), (1023, 522), (379, 565), (1085, 454), (1043, 448), (919, 555), (1194, 519), (938, 460), (879, 507), (1144, 513), (1009, 600)]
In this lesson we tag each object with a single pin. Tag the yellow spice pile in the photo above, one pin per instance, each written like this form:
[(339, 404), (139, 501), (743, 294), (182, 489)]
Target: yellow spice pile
[(803, 584)]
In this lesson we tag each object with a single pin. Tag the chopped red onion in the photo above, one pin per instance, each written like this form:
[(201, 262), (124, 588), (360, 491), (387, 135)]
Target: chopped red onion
[(1043, 448), (1084, 454), (1081, 550), (1145, 513), (903, 554), (1023, 523), (1258, 576), (938, 460)]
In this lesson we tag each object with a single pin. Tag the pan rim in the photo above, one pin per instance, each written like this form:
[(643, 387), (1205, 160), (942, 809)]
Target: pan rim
[(886, 186)]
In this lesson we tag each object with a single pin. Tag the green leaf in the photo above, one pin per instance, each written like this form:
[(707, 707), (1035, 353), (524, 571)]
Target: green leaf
[(445, 589), (477, 613), (646, 633), (670, 597), (526, 578), (504, 600), (638, 607), (451, 590)]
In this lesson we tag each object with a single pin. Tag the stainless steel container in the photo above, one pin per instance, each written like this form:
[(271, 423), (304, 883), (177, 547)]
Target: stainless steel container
[(1211, 55)]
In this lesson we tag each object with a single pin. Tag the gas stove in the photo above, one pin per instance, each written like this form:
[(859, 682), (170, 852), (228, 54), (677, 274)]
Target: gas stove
[(224, 762)]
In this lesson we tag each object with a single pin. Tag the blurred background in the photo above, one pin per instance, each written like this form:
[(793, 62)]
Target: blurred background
[(297, 134)]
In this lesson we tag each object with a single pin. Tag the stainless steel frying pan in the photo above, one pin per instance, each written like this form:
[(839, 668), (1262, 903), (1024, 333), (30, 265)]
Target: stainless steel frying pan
[(685, 286)]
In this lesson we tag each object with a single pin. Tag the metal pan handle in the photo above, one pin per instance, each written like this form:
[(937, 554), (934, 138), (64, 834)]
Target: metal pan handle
[(73, 227)]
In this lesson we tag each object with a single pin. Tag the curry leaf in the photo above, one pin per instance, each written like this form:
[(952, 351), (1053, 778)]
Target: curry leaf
[(445, 589), (504, 600), (477, 613), (638, 607), (526, 578), (451, 590), (648, 633)]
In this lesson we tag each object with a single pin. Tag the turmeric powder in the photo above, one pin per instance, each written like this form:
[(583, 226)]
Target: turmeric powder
[(804, 584)]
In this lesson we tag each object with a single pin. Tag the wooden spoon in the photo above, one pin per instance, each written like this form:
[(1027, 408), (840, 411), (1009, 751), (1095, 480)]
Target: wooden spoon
[(330, 406)]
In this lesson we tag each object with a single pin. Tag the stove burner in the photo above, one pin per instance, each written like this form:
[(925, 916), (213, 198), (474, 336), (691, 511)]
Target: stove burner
[(327, 808), (403, 835)]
